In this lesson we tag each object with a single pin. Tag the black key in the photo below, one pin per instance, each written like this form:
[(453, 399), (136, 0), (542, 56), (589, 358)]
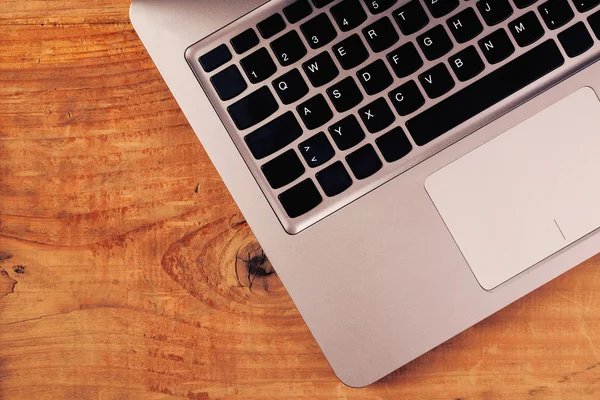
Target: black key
[(394, 145), (318, 31), (494, 11), (300, 199), (283, 170), (486, 92), (347, 133), (594, 21), (254, 108), (315, 112), (527, 29), (375, 77), (334, 179), (297, 11), (379, 6), (381, 35), (585, 5), (215, 58), (364, 162), (321, 3), (407, 98), (465, 25), (467, 64), (271, 26), (351, 52), (258, 66), (411, 17), (576, 40), (497, 46), (437, 81), (290, 87), (345, 95), (377, 116), (524, 3), (274, 136), (405, 60), (320, 69), (348, 14), (244, 41), (288, 48), (439, 8), (229, 83), (435, 43), (317, 150), (556, 13)]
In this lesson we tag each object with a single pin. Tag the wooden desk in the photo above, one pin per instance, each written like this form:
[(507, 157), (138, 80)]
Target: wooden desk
[(127, 271)]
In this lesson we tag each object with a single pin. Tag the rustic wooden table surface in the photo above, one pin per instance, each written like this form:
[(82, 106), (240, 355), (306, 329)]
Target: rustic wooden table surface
[(127, 271)]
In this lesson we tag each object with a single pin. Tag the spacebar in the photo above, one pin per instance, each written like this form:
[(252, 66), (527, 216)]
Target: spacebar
[(483, 94)]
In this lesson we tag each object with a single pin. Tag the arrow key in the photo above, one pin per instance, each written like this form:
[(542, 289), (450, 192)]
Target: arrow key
[(317, 150)]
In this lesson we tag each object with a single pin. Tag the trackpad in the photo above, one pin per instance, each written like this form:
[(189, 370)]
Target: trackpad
[(526, 194)]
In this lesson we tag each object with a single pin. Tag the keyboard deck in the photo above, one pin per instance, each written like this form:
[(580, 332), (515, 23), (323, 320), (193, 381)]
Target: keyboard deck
[(326, 100)]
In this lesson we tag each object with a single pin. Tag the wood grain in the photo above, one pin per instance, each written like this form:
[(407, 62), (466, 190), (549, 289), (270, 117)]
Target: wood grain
[(127, 271)]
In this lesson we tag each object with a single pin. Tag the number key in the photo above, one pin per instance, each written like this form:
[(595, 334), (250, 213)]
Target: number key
[(348, 14), (258, 66), (379, 6), (318, 31), (289, 48)]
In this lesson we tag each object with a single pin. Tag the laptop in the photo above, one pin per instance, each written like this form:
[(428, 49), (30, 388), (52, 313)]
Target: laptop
[(409, 167)]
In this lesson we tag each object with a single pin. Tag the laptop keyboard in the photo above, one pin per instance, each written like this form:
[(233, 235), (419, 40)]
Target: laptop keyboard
[(327, 100)]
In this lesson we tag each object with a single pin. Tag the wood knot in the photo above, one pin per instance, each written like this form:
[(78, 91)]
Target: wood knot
[(19, 269), (252, 267)]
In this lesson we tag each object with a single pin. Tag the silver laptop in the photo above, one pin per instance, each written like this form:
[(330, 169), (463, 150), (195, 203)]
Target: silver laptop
[(409, 167)]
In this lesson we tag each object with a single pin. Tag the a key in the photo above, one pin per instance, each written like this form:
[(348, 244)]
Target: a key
[(215, 58), (274, 136), (576, 40), (244, 41), (467, 64), (585, 5), (334, 179), (348, 14), (318, 31), (524, 3), (254, 108), (405, 60), (347, 133), (351, 52), (320, 69), (297, 11), (527, 29), (435, 43), (300, 199), (465, 25), (228, 83), (381, 35), (486, 92), (290, 87), (437, 81), (494, 11), (258, 66), (315, 112), (288, 48), (394, 145), (407, 98), (345, 95), (321, 3), (439, 8), (497, 46), (364, 162), (283, 169), (377, 115), (594, 21), (375, 77), (271, 26), (556, 13), (379, 6), (411, 17), (317, 150)]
